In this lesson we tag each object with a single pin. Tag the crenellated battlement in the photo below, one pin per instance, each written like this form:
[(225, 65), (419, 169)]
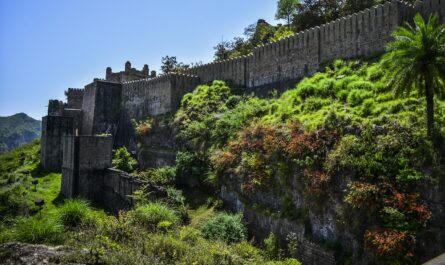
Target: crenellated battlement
[(74, 98), (289, 59), (128, 74), (108, 105)]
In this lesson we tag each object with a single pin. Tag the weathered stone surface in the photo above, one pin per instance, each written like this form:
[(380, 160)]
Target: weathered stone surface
[(27, 254), (440, 260)]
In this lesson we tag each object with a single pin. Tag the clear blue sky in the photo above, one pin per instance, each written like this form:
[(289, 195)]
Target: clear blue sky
[(47, 46)]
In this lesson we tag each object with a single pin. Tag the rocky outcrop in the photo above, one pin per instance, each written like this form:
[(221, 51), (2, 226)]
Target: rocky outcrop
[(27, 254)]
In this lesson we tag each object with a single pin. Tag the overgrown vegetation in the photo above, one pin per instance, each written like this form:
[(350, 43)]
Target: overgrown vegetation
[(152, 233), (342, 125), (123, 160)]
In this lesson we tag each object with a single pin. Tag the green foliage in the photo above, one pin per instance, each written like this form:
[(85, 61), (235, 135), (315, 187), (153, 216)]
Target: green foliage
[(225, 227), (415, 60), (150, 215), (284, 262), (356, 97), (147, 235), (36, 230), (286, 8), (122, 160), (282, 33), (13, 201), (189, 165), (393, 218), (163, 176), (170, 64), (74, 213), (271, 247), (18, 168)]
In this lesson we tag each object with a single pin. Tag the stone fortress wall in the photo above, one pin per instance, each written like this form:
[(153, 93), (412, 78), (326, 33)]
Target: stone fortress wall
[(72, 132), (108, 106), (289, 59)]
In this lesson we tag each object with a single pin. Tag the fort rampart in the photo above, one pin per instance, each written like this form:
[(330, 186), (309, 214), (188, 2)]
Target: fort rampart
[(108, 106), (78, 136)]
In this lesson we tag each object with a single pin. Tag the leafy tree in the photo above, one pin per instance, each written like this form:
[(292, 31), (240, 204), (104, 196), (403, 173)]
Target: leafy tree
[(255, 35), (223, 50), (313, 13), (286, 8), (170, 64), (416, 60)]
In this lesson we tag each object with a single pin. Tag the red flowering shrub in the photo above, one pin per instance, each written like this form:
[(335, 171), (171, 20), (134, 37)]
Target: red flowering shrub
[(299, 143), (260, 149), (389, 243), (223, 160), (411, 205), (315, 182)]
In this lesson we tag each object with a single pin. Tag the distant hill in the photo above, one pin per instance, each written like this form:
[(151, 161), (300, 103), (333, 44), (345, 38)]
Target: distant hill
[(16, 130)]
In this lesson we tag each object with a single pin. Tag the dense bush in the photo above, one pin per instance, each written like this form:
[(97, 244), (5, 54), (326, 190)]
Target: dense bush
[(74, 213), (339, 126), (13, 201), (164, 176), (151, 215), (122, 160), (37, 230), (191, 165), (225, 227)]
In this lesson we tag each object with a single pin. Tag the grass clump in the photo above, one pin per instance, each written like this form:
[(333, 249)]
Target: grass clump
[(74, 213), (36, 230), (164, 176), (226, 227), (154, 214)]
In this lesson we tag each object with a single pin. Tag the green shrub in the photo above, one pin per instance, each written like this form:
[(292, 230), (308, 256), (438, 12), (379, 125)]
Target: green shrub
[(342, 83), (284, 262), (375, 73), (306, 89), (367, 107), (357, 96), (189, 234), (360, 85), (74, 213), (150, 215), (392, 218), (175, 196), (225, 227), (313, 104), (342, 94), (408, 176), (189, 165), (164, 176), (167, 248), (271, 247), (122, 160), (13, 201), (36, 230)]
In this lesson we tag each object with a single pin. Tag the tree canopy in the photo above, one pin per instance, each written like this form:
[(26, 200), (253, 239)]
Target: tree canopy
[(416, 60)]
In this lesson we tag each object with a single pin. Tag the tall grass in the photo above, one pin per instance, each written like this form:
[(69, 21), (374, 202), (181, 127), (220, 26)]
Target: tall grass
[(37, 230), (74, 213), (152, 214)]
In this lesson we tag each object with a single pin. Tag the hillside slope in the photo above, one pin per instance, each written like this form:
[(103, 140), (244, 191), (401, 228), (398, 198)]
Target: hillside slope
[(339, 161), (16, 130)]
